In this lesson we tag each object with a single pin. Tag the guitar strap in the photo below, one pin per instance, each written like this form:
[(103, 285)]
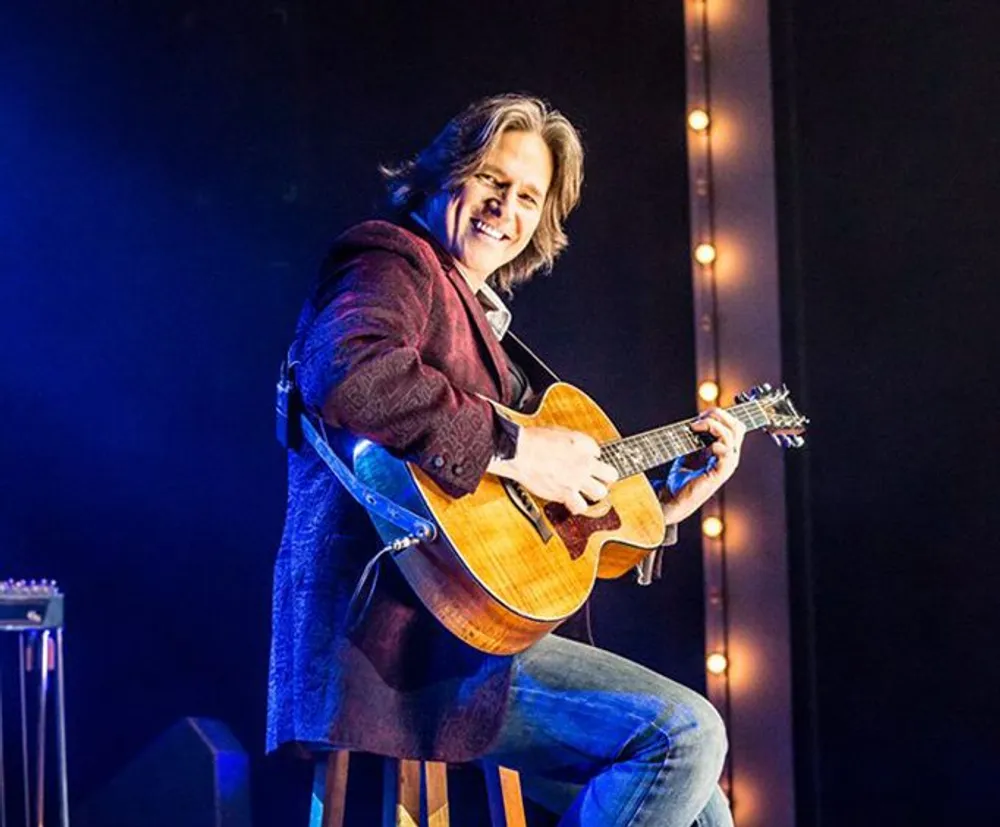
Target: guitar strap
[(540, 375), (294, 423)]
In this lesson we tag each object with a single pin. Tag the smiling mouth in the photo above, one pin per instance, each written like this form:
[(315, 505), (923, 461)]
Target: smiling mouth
[(490, 232)]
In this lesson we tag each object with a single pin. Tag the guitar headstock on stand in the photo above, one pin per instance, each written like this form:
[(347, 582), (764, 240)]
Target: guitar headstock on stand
[(784, 423), (30, 604)]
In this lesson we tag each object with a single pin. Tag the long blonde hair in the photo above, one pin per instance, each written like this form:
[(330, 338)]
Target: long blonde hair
[(458, 152)]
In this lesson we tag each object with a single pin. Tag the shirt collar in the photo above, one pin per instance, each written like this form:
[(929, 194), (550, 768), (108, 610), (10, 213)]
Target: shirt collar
[(497, 313)]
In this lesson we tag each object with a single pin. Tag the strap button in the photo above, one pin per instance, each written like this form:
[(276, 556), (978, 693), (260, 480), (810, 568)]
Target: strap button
[(438, 461)]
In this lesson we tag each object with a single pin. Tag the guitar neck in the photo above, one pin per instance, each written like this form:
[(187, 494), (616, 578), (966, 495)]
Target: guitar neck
[(634, 454)]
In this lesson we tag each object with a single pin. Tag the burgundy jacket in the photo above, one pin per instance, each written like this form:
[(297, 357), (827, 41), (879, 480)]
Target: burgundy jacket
[(392, 346)]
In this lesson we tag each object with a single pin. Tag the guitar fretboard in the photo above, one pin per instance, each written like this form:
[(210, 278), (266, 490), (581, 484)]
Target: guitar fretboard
[(634, 454)]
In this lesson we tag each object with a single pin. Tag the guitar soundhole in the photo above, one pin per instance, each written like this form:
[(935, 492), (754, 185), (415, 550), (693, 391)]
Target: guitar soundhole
[(574, 530)]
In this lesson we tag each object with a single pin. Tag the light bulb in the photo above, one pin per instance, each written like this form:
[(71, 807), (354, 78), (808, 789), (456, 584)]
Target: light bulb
[(717, 663), (708, 391), (712, 527), (698, 120), (705, 253)]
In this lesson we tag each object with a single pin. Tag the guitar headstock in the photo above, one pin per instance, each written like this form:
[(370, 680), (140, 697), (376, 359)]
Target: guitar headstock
[(784, 423)]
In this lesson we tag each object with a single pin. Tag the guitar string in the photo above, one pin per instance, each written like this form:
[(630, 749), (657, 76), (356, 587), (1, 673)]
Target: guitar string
[(634, 454), (676, 440), (651, 448), (662, 444)]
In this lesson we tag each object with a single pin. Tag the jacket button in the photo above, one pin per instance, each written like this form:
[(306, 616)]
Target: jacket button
[(438, 461), (458, 470)]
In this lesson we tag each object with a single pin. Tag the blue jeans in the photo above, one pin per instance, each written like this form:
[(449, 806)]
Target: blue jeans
[(609, 743)]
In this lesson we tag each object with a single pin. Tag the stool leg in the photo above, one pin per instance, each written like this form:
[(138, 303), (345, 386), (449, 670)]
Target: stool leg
[(401, 796), (329, 795), (436, 793), (503, 788), (24, 644), (61, 730), (3, 768), (43, 697)]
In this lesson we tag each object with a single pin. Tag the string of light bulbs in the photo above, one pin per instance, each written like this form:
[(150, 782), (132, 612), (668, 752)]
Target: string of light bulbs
[(703, 264)]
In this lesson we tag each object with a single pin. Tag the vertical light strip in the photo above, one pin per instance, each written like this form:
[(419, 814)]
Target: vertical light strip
[(704, 254), (737, 311)]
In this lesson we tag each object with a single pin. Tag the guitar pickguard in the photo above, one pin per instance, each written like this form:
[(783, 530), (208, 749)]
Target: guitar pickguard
[(575, 529)]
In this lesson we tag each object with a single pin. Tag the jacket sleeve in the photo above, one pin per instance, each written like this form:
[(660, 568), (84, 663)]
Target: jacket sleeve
[(361, 366)]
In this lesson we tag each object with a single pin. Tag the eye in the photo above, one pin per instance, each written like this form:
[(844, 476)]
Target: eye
[(486, 178), (529, 199)]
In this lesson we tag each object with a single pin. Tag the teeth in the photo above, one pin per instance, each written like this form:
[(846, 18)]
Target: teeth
[(483, 227)]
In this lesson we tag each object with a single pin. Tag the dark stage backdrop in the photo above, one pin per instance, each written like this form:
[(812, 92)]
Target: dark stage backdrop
[(890, 190), (172, 174)]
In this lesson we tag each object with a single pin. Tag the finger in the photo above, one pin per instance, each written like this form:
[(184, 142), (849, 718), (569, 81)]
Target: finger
[(726, 455), (716, 428), (603, 472), (586, 443), (594, 490), (724, 450), (725, 445), (576, 504), (730, 421), (719, 415)]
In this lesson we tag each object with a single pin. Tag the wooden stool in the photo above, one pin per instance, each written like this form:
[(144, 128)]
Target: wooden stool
[(404, 783)]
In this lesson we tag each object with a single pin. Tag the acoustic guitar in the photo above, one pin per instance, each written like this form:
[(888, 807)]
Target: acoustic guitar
[(506, 567)]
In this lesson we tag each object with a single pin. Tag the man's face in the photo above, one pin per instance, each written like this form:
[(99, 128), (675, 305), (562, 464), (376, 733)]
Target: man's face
[(490, 219)]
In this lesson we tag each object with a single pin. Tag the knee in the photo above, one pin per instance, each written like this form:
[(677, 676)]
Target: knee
[(689, 724), (707, 731)]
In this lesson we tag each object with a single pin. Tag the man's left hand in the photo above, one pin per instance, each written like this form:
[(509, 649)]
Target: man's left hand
[(694, 479)]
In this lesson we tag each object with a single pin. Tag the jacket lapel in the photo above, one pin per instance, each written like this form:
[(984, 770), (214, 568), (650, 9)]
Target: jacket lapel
[(490, 345), (497, 362)]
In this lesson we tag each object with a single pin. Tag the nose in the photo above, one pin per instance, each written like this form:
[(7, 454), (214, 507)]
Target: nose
[(502, 202)]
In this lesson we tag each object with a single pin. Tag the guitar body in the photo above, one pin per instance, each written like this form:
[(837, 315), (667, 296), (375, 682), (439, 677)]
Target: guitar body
[(506, 567)]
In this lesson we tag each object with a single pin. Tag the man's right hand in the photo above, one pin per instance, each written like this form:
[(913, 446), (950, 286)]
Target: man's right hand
[(559, 465)]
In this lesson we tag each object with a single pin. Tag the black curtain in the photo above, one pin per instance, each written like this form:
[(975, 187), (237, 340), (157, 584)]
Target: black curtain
[(889, 167)]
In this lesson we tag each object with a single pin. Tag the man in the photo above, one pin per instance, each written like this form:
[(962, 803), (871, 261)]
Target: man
[(403, 342)]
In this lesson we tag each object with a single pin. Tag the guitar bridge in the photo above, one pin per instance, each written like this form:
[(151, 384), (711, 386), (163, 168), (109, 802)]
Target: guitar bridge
[(525, 503)]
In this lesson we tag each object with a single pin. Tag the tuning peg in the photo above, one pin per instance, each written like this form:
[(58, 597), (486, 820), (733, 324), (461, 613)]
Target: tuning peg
[(742, 396), (779, 440), (797, 441)]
